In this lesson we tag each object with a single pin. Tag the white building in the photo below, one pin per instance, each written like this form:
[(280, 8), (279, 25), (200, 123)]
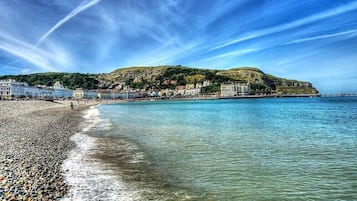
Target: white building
[(59, 91), (91, 94), (207, 83), (234, 89), (193, 92), (11, 88), (199, 85), (78, 93), (58, 85), (35, 92), (62, 93)]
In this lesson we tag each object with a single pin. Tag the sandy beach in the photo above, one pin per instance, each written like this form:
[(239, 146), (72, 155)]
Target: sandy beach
[(34, 141)]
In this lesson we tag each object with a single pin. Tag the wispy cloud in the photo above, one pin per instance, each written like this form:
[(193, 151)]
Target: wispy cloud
[(221, 59), (283, 62), (24, 51), (301, 40), (48, 60), (82, 7), (167, 54), (294, 24), (235, 53), (25, 70)]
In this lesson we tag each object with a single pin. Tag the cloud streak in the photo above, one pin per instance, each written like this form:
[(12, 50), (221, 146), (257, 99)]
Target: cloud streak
[(302, 40), (221, 59), (287, 26), (25, 51), (82, 7), (46, 60), (235, 53)]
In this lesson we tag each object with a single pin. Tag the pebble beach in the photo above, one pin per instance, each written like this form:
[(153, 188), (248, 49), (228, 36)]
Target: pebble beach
[(34, 141)]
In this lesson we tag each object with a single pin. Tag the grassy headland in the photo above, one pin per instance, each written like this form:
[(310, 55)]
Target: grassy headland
[(169, 77)]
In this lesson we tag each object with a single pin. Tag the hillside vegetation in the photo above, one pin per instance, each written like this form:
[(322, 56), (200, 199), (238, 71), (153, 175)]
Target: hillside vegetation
[(70, 80), (170, 76), (163, 77)]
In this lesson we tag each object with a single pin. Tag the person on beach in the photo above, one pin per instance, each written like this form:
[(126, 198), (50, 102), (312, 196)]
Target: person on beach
[(72, 105)]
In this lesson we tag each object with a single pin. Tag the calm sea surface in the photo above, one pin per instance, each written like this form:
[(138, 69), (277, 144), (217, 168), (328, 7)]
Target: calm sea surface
[(246, 149)]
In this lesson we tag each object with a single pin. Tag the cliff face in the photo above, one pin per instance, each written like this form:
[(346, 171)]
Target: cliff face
[(260, 80), (138, 74), (171, 76)]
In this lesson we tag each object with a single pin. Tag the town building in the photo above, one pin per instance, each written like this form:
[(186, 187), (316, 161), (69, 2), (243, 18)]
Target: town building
[(167, 92), (207, 83), (78, 93), (58, 85), (59, 91), (199, 85), (234, 89), (91, 94), (180, 90), (12, 88), (35, 92), (190, 86), (62, 93), (193, 92)]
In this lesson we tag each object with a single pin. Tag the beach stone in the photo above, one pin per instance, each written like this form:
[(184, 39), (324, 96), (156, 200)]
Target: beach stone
[(34, 142)]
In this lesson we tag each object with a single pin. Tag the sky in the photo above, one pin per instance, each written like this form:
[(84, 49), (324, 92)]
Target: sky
[(309, 40)]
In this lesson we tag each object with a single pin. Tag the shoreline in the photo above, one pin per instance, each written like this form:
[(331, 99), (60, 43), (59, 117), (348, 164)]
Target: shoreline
[(153, 99), (90, 102), (35, 140)]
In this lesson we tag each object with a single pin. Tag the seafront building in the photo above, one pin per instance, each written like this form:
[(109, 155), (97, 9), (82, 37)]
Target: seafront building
[(78, 93), (11, 88), (235, 89), (180, 90), (59, 91), (193, 92)]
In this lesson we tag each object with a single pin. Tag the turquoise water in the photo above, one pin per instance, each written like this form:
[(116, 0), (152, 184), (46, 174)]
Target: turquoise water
[(246, 149)]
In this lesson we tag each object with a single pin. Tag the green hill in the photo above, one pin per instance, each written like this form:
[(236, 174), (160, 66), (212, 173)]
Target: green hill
[(163, 77), (158, 77), (70, 80)]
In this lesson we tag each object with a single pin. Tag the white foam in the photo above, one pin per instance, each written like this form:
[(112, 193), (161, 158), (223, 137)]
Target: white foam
[(105, 124), (91, 119), (88, 177)]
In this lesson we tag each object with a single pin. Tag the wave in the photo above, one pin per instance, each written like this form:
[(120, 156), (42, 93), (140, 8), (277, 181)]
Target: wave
[(104, 167), (88, 177)]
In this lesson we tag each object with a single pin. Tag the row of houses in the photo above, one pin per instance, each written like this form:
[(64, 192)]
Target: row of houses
[(11, 88), (227, 90)]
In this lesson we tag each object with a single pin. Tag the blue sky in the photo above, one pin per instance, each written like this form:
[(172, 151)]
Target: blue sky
[(313, 40)]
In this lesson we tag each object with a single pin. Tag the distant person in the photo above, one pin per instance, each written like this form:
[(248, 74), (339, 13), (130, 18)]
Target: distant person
[(72, 106)]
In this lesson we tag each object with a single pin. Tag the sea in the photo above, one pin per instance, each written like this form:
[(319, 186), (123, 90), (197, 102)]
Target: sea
[(232, 149)]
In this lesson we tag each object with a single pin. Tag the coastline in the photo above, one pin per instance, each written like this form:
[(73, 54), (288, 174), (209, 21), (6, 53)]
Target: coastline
[(35, 140), (113, 101)]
